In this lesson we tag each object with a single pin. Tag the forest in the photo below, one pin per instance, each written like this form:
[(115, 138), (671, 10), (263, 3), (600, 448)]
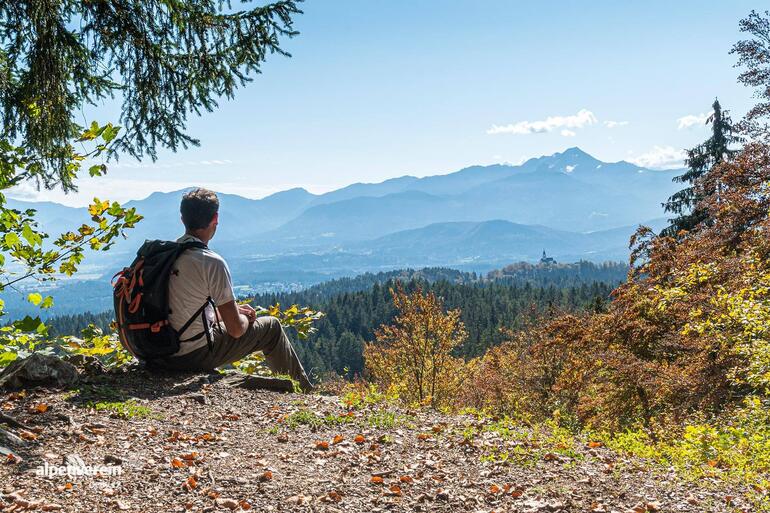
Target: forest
[(355, 307)]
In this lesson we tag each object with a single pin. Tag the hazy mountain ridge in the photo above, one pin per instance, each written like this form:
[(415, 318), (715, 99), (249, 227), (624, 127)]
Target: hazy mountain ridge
[(569, 204)]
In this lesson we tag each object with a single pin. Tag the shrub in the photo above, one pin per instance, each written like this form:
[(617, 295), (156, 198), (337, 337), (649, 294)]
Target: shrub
[(413, 356)]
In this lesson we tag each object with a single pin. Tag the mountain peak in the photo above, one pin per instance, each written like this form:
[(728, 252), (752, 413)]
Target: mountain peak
[(576, 153)]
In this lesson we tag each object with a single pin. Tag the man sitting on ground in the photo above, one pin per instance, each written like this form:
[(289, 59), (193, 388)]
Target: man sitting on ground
[(200, 274)]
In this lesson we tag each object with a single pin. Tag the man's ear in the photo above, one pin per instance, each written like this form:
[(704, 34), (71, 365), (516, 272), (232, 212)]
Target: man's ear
[(215, 219)]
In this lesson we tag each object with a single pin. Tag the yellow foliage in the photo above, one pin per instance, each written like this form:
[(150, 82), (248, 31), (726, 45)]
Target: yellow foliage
[(413, 356)]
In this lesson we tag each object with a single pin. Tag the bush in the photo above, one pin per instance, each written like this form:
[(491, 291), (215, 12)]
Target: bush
[(413, 357)]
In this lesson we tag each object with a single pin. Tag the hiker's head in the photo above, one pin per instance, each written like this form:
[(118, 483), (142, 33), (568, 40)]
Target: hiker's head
[(200, 213)]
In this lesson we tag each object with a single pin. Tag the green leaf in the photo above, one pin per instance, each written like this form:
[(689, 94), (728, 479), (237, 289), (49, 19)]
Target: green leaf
[(28, 324), (97, 170), (11, 239)]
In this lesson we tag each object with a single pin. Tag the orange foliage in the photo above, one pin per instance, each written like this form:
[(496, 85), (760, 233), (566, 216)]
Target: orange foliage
[(666, 347), (414, 354)]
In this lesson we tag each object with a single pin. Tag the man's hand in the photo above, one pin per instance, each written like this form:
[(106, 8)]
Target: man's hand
[(236, 321), (248, 311)]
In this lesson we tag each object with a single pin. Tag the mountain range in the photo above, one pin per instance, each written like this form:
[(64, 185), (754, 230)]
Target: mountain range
[(569, 204)]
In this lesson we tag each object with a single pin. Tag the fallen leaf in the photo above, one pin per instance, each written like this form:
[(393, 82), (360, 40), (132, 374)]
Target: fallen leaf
[(266, 476), (594, 445), (423, 436), (494, 489), (39, 408), (177, 463), (245, 505), (376, 480), (338, 439), (27, 435), (395, 490), (332, 496), (227, 503), (359, 439), (191, 456), (191, 483), (405, 479), (322, 445)]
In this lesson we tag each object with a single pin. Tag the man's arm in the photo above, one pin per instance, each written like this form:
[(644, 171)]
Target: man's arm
[(236, 323)]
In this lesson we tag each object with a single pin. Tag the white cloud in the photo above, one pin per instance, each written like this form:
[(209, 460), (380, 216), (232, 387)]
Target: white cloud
[(582, 118), (568, 133), (692, 120), (615, 124), (661, 157)]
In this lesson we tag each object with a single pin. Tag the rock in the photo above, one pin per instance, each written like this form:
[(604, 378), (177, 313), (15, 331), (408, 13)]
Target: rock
[(89, 365), (201, 398), (237, 380), (111, 459), (39, 370)]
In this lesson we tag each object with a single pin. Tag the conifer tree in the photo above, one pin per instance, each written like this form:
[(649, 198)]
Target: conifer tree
[(163, 59), (700, 160)]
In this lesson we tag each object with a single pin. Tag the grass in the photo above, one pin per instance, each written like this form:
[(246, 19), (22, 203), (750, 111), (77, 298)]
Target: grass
[(124, 409)]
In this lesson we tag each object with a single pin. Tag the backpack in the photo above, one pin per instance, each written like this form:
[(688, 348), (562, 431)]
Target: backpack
[(140, 297)]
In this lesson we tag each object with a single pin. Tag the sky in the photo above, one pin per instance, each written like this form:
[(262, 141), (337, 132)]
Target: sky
[(376, 90)]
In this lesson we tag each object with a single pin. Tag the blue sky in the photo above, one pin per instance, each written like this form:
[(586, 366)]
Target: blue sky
[(378, 89)]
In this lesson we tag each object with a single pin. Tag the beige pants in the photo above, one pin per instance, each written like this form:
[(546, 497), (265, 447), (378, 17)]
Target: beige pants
[(264, 334)]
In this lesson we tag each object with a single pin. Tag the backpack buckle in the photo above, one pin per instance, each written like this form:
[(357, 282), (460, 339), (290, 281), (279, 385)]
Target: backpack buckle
[(155, 327)]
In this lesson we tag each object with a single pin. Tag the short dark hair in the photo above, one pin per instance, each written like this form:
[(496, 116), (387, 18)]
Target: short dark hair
[(198, 208)]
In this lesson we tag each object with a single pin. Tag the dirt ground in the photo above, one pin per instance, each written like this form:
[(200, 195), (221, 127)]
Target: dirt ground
[(193, 443)]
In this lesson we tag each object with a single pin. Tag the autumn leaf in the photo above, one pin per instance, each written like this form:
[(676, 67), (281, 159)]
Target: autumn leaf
[(405, 479), (191, 483), (266, 476), (39, 408), (333, 496), (190, 457), (177, 463), (338, 439), (395, 490), (227, 503), (359, 439), (27, 435), (594, 445), (494, 489), (322, 445), (423, 436), (376, 480), (245, 505)]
